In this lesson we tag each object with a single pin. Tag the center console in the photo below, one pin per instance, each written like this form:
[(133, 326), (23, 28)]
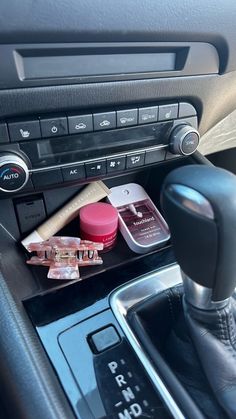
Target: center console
[(44, 161)]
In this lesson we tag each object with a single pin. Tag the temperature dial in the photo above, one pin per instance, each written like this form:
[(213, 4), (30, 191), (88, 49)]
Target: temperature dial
[(184, 140), (14, 173)]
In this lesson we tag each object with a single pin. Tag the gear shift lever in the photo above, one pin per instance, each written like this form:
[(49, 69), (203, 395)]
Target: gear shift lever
[(199, 203), (200, 206)]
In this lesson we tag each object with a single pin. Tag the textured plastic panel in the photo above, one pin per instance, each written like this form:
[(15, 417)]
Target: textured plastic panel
[(121, 21), (52, 64)]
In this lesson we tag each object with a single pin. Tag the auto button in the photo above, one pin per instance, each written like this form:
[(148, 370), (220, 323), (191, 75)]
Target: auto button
[(14, 173)]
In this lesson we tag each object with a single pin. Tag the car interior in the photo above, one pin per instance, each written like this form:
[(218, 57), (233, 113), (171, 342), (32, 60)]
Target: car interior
[(117, 209)]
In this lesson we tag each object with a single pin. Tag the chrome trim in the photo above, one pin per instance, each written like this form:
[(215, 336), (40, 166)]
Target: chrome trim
[(124, 298), (191, 200), (199, 296), (160, 147)]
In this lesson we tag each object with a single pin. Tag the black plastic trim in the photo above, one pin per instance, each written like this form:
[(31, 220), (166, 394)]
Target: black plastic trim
[(53, 64)]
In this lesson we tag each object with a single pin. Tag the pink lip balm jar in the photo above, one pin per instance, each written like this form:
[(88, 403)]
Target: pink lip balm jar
[(99, 223)]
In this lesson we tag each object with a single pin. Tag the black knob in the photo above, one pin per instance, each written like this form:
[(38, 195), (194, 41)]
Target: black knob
[(184, 140), (14, 173), (199, 203)]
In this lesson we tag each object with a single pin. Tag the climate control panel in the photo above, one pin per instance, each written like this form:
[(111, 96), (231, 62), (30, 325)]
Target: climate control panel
[(45, 152)]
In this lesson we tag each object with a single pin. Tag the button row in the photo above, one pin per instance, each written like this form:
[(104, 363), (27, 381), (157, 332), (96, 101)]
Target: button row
[(21, 130), (97, 168)]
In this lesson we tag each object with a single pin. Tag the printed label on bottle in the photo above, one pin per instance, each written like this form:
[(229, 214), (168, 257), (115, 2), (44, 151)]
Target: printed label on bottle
[(143, 222)]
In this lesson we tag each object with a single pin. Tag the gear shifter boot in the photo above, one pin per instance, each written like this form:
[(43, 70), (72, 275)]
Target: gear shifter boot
[(165, 334), (214, 336)]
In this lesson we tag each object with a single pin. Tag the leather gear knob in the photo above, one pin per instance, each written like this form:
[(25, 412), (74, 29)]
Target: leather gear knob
[(199, 203)]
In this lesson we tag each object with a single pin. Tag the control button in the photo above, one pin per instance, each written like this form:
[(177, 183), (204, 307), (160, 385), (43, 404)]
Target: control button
[(30, 214), (54, 127), (47, 178), (104, 121), (73, 172), (147, 115), (186, 109), (116, 164), (24, 130), (190, 143), (14, 173), (167, 112), (184, 140), (12, 177), (96, 168), (105, 338), (154, 156), (127, 117), (135, 160), (80, 123), (4, 137)]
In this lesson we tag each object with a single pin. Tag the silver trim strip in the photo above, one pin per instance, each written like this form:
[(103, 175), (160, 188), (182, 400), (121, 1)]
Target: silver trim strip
[(199, 296), (132, 293), (101, 158)]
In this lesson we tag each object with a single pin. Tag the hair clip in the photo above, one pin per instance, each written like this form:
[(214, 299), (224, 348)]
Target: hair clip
[(64, 256)]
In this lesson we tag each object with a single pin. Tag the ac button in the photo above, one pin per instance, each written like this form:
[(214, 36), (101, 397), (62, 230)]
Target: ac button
[(73, 173)]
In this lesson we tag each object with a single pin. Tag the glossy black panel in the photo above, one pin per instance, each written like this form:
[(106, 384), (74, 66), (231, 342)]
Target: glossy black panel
[(47, 308), (111, 382), (64, 150)]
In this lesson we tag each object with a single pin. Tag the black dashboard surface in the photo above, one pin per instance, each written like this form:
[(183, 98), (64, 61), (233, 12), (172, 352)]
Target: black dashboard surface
[(122, 21)]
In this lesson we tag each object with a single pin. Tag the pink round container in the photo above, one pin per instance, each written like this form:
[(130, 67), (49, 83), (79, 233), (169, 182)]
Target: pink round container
[(99, 223)]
